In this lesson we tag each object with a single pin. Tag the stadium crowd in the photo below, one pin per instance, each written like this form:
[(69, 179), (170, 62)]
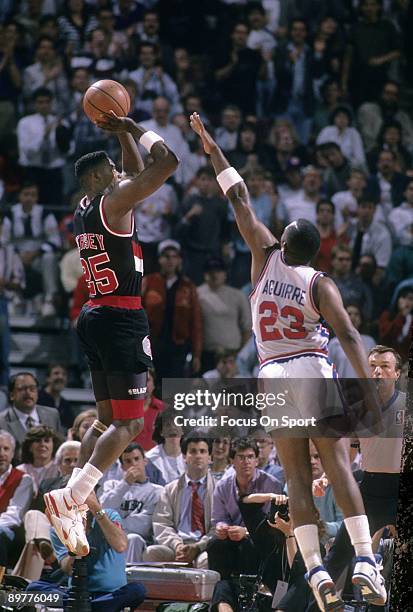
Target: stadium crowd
[(306, 100)]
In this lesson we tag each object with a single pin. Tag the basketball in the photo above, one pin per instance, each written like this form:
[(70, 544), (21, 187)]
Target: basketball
[(105, 96)]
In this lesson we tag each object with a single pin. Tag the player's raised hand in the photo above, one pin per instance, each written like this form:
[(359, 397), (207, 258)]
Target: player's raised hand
[(112, 123), (196, 124)]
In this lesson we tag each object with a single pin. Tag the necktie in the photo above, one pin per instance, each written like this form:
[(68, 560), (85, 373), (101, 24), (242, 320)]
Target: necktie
[(197, 510), (357, 249), (46, 150), (29, 422), (28, 226)]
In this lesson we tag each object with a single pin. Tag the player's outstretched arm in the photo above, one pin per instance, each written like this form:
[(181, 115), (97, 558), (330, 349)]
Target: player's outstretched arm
[(128, 193), (332, 309), (256, 234)]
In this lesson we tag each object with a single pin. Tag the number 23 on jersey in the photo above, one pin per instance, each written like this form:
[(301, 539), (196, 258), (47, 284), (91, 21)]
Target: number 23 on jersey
[(292, 329)]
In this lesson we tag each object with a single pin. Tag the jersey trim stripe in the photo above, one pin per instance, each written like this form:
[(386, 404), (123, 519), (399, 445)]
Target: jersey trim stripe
[(137, 257), (131, 302), (262, 273), (106, 226), (310, 291), (127, 409), (288, 356)]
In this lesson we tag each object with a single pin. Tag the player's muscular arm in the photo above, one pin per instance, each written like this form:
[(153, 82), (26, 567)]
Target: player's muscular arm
[(132, 162), (129, 192), (332, 309), (256, 234)]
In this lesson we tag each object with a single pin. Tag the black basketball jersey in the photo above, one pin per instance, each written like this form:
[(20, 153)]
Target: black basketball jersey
[(112, 262)]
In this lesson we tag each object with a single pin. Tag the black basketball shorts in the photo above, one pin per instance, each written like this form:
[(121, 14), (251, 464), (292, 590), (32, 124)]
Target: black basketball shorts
[(118, 351)]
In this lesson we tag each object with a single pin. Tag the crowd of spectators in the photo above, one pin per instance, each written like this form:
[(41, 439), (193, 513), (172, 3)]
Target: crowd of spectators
[(307, 100), (183, 496)]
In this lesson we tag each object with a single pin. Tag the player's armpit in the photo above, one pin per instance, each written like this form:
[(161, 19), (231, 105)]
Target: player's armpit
[(127, 194)]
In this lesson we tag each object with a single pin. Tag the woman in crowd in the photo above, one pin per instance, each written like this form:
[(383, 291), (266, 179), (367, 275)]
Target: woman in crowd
[(182, 72), (391, 139), (75, 25), (345, 135), (38, 451), (249, 154), (82, 423), (220, 456)]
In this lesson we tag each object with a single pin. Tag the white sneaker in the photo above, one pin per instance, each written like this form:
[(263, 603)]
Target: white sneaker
[(367, 576), (67, 518), (324, 590)]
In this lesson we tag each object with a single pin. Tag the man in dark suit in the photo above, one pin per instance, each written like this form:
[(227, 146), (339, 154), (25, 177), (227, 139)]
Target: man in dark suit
[(24, 412), (388, 185)]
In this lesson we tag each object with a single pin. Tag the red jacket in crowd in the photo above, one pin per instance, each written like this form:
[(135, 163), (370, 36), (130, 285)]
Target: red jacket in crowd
[(187, 320), (390, 330)]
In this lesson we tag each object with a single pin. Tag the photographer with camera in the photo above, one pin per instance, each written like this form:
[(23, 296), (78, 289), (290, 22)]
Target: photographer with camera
[(278, 583), (294, 595)]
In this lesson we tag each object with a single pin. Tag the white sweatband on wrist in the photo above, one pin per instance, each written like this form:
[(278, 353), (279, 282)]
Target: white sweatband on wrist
[(149, 138), (227, 178)]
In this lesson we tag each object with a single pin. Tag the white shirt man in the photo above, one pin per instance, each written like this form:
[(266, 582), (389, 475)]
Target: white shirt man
[(182, 520), (303, 204), (36, 136), (162, 126), (135, 498), (151, 215), (401, 218)]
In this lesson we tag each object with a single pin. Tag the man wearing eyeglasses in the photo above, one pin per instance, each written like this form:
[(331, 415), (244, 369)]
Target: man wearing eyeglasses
[(232, 550), (24, 412)]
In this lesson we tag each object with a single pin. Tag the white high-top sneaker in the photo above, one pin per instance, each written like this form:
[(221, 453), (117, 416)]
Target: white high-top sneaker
[(66, 517)]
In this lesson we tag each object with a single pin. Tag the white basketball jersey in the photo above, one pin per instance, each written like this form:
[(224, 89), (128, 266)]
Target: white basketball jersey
[(285, 320)]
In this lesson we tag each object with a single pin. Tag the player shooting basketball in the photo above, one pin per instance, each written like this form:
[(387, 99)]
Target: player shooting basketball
[(291, 344), (112, 326)]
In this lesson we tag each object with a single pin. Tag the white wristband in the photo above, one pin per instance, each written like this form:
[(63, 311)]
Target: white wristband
[(227, 178), (149, 138)]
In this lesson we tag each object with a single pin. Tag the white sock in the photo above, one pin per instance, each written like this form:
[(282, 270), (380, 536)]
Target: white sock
[(84, 482), (309, 544), (359, 532), (75, 472)]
